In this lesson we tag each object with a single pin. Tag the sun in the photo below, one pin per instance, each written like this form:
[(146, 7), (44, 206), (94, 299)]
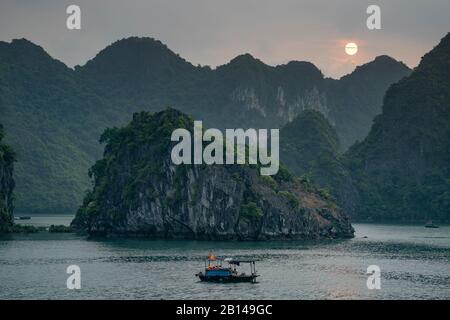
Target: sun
[(351, 48)]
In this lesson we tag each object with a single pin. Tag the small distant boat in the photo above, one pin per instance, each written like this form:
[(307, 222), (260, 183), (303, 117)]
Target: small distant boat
[(215, 272), (24, 218), (430, 224)]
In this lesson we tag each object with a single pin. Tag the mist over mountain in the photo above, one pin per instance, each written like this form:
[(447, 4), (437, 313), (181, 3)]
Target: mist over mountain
[(402, 168), (54, 114)]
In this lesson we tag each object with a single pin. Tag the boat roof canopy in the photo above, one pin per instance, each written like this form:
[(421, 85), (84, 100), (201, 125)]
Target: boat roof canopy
[(231, 260), (234, 261)]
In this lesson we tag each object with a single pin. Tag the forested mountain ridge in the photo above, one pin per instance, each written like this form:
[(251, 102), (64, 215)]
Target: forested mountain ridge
[(52, 125)]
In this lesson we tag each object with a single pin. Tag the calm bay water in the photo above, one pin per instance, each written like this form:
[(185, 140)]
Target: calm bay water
[(414, 262)]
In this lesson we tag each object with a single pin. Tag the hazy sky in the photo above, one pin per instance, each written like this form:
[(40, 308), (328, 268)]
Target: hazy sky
[(212, 32)]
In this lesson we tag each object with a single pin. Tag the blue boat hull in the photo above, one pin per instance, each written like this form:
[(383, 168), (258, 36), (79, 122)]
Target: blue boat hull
[(231, 278)]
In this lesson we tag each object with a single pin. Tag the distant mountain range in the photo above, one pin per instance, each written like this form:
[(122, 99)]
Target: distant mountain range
[(142, 73), (54, 115)]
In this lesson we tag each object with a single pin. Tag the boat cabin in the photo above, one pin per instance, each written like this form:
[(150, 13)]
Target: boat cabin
[(215, 270)]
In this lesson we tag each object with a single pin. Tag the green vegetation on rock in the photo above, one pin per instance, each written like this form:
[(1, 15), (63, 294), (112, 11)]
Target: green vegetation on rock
[(138, 191)]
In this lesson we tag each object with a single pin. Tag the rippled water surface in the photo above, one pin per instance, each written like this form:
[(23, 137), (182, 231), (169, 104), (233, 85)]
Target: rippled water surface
[(414, 262)]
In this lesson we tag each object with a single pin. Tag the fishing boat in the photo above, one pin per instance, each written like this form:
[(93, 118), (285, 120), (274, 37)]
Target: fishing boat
[(216, 272), (430, 224)]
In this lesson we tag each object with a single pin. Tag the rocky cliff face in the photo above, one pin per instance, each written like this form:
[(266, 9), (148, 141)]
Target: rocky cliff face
[(6, 185), (139, 191)]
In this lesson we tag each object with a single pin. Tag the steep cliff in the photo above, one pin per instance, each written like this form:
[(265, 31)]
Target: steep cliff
[(403, 167), (138, 191), (6, 185)]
